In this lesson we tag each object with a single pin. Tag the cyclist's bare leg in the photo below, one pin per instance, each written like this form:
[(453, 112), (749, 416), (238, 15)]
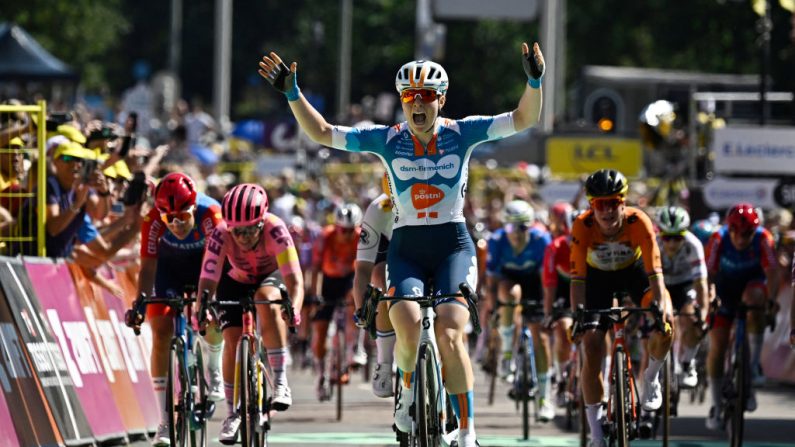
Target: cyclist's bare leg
[(541, 347), (162, 327), (660, 342), (688, 333), (231, 337), (755, 296), (718, 344), (405, 317), (507, 292), (459, 380), (594, 349), (319, 331), (562, 343), (273, 330)]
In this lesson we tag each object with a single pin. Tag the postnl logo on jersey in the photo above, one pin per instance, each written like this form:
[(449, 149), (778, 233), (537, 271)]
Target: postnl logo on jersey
[(425, 168), (425, 196)]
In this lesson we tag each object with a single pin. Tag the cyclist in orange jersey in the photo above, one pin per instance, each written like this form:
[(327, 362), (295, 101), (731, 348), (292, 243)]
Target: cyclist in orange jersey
[(333, 257), (614, 249)]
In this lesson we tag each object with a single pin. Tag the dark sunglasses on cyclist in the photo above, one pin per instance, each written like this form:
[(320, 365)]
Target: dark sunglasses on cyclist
[(743, 234), (247, 231), (672, 237), (427, 96), (521, 227), (181, 216), (606, 204)]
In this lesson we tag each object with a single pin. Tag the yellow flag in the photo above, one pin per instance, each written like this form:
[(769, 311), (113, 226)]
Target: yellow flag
[(789, 5)]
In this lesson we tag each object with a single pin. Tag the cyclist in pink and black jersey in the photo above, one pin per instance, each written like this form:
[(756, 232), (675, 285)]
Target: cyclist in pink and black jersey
[(262, 256)]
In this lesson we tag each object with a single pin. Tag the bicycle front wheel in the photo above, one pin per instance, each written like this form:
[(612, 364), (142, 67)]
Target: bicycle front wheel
[(244, 390), (620, 428), (260, 408), (668, 388), (740, 376), (340, 365), (427, 392), (175, 383), (198, 417)]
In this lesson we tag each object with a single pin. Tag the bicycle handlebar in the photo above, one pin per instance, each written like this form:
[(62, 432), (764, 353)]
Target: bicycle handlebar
[(136, 315), (210, 306), (616, 314), (374, 295)]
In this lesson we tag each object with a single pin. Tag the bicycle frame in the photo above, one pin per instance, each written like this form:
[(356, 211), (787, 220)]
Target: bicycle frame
[(255, 419), (425, 345), (619, 344), (189, 372)]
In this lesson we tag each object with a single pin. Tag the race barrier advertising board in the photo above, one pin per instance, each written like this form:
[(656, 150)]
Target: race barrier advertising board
[(44, 355), (136, 357), (120, 380), (32, 421), (85, 361)]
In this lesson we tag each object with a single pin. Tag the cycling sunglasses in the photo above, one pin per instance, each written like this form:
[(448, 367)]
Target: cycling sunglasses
[(181, 216), (743, 234), (247, 231), (606, 204), (672, 237), (427, 96)]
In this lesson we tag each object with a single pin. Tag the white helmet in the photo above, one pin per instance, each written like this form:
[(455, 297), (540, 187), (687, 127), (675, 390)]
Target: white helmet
[(518, 211), (348, 215), (422, 74)]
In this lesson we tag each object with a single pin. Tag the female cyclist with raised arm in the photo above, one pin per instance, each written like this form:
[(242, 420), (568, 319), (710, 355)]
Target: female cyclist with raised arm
[(427, 160), (262, 256)]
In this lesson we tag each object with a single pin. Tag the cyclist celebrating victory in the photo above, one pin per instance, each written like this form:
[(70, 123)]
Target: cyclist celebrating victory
[(427, 159), (262, 256), (173, 236), (614, 249)]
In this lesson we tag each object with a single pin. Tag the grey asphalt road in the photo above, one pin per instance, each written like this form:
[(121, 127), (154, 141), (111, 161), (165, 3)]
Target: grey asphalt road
[(367, 420)]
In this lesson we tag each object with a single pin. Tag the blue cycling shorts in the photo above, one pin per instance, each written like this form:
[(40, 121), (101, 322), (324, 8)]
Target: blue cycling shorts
[(439, 255)]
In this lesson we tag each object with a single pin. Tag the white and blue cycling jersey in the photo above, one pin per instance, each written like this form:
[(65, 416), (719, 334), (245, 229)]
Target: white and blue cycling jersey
[(427, 184)]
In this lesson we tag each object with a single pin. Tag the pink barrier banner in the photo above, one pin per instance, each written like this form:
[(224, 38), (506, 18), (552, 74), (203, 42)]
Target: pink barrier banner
[(135, 356), (86, 362), (8, 435), (778, 359)]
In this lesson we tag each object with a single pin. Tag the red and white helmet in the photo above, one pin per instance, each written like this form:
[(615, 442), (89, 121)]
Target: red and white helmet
[(245, 204), (422, 74)]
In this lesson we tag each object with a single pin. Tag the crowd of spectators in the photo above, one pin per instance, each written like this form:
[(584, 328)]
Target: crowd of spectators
[(99, 176)]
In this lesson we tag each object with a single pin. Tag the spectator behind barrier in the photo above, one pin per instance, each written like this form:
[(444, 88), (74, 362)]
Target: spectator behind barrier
[(68, 200), (12, 174)]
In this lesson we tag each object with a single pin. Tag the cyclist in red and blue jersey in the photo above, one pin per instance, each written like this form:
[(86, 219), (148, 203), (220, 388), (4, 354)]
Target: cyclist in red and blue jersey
[(556, 280), (427, 160), (741, 261), (261, 255), (515, 257), (173, 236)]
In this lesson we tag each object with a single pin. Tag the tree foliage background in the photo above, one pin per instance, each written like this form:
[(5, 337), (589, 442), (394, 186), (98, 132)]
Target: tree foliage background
[(103, 38)]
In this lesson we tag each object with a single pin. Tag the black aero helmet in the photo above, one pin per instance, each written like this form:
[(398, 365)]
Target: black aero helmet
[(606, 183)]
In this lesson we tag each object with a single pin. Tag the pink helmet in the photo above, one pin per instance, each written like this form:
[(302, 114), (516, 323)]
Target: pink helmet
[(244, 205)]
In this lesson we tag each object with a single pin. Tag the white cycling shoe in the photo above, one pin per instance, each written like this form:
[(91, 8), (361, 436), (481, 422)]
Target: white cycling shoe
[(229, 430), (402, 417), (282, 398), (652, 395), (216, 387), (161, 439), (546, 411), (382, 380)]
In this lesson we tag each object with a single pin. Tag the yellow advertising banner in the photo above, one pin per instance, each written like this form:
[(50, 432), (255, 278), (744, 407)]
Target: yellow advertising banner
[(575, 156)]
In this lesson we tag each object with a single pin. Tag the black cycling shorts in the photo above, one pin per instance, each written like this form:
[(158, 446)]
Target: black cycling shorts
[(231, 290), (334, 291)]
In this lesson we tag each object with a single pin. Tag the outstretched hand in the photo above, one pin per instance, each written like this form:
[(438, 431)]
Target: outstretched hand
[(533, 63), (280, 76)]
